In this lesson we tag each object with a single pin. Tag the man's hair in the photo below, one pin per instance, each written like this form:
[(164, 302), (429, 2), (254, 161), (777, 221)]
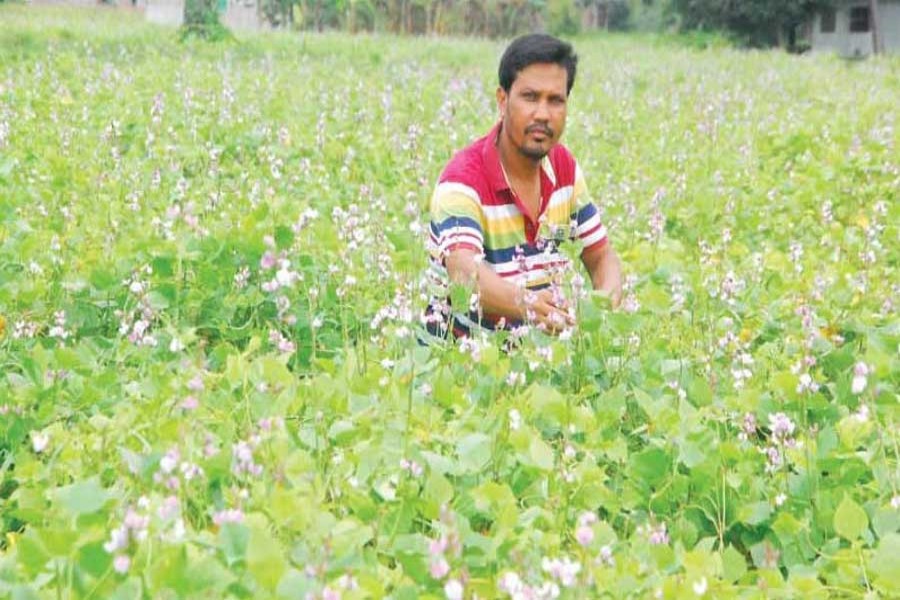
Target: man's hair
[(534, 48)]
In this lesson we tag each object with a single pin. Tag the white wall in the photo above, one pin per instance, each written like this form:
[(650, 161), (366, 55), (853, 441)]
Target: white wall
[(889, 31), (241, 15), (165, 12)]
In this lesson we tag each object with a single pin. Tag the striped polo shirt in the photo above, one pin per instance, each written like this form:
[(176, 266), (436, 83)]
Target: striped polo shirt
[(473, 207)]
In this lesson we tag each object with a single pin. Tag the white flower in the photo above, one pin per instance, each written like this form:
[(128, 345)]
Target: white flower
[(515, 419), (118, 540), (700, 586), (861, 372), (453, 590), (510, 582), (168, 462), (39, 441), (780, 499)]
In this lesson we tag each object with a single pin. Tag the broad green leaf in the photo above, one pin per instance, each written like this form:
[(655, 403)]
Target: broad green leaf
[(650, 466), (733, 564), (885, 565), (265, 557), (755, 513), (540, 454), (850, 520), (349, 536), (82, 497), (438, 492), (473, 452), (233, 538)]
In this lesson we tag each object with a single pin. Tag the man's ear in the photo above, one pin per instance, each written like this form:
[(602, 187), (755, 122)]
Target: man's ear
[(501, 100)]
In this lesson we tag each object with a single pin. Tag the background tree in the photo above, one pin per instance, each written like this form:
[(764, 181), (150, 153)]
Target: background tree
[(201, 18), (753, 22)]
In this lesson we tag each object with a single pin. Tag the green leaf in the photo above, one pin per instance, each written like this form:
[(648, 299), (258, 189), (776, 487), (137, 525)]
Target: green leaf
[(82, 497), (651, 466), (733, 564), (850, 520), (93, 559), (265, 559), (128, 590), (349, 536), (885, 565), (438, 492), (540, 454), (473, 452), (233, 538), (754, 513)]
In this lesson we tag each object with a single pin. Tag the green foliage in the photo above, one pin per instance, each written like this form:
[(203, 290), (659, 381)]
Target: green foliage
[(563, 17), (754, 22), (201, 19)]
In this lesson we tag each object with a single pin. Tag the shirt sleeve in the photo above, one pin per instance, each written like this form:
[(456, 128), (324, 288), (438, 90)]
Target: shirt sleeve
[(585, 217), (456, 219)]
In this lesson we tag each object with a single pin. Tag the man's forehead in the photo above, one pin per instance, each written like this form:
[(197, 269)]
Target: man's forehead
[(542, 75)]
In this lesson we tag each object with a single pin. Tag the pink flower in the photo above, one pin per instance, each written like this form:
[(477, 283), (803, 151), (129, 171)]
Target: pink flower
[(229, 515), (121, 564), (268, 260), (584, 535), (439, 568), (437, 547), (658, 535), (330, 594)]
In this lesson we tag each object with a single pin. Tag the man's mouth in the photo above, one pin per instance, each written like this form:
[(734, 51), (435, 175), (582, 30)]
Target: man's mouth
[(538, 130)]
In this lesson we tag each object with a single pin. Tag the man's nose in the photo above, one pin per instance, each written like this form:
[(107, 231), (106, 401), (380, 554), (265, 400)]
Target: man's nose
[(542, 111)]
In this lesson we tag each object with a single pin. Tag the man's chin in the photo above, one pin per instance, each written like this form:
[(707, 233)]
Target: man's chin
[(534, 153)]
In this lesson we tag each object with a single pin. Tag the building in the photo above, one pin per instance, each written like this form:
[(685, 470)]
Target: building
[(847, 28)]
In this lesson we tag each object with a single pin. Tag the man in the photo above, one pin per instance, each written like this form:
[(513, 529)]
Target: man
[(503, 205)]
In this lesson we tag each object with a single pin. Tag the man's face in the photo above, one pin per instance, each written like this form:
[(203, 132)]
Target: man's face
[(534, 110)]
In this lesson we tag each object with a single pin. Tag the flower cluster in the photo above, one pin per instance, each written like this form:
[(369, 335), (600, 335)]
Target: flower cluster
[(133, 530), (511, 583), (135, 324), (564, 570), (242, 459), (782, 437), (861, 373), (173, 471)]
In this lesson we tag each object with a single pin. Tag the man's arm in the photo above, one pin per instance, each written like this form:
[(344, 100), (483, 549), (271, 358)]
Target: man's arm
[(605, 268), (503, 298)]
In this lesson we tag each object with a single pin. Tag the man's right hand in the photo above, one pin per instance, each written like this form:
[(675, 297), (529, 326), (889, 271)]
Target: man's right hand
[(548, 314)]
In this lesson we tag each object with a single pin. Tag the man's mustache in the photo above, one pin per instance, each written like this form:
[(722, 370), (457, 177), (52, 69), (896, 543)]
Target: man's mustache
[(540, 129)]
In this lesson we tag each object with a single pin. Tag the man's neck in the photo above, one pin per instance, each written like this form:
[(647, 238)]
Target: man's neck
[(517, 166)]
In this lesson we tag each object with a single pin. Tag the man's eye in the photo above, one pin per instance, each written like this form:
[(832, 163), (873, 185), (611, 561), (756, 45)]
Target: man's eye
[(530, 96)]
